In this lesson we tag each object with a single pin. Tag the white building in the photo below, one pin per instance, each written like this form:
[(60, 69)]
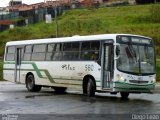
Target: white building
[(3, 10)]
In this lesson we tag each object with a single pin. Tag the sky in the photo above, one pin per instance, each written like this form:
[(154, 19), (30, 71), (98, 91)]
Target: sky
[(4, 3)]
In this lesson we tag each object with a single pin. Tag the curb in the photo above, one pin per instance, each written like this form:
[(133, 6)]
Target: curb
[(6, 83)]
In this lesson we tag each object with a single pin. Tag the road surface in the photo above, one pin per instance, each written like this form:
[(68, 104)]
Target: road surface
[(16, 100)]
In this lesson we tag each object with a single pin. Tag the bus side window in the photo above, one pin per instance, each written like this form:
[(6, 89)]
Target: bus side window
[(85, 47), (54, 52), (39, 52), (90, 50), (10, 53), (27, 52), (75, 50), (95, 46), (71, 51)]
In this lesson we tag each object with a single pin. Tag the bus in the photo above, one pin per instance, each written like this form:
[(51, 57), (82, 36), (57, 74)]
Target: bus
[(114, 63)]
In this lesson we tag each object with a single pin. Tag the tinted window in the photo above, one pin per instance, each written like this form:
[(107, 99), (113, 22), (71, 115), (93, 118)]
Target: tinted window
[(71, 46), (54, 47), (67, 47), (75, 46), (85, 46), (71, 51), (39, 48), (71, 55), (38, 56), (27, 53), (54, 56), (10, 55), (28, 49), (90, 50), (27, 56), (54, 52), (88, 55), (39, 52), (95, 45), (11, 49)]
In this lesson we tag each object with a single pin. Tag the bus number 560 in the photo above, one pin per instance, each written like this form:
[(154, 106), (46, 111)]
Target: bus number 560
[(89, 67)]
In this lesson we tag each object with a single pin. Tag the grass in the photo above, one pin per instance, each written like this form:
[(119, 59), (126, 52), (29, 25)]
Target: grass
[(158, 69), (126, 19), (1, 70)]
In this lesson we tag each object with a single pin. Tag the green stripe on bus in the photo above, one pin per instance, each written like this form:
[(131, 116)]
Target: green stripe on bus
[(49, 76), (37, 70), (61, 77)]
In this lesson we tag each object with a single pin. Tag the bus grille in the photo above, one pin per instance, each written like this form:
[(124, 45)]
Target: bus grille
[(138, 81)]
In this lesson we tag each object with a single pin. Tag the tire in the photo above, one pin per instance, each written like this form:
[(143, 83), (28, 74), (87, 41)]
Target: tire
[(124, 95), (91, 88), (59, 89), (30, 84)]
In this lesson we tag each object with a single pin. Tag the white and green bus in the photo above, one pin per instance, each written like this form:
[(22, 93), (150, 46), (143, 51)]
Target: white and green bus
[(112, 63)]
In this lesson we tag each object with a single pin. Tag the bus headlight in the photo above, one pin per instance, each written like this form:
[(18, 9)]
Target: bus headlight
[(120, 77), (154, 80)]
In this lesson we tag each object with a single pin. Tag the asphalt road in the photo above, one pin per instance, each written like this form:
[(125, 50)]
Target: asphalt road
[(16, 100)]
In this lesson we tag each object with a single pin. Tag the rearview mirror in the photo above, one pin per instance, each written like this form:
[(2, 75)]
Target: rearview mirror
[(117, 51)]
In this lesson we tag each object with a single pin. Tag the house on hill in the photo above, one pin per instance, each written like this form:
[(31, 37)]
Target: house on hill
[(5, 24), (3, 11), (15, 2)]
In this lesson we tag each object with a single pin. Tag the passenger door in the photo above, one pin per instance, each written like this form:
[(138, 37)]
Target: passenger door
[(107, 66), (19, 54)]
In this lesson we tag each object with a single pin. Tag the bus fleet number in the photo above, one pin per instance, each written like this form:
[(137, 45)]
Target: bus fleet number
[(89, 67)]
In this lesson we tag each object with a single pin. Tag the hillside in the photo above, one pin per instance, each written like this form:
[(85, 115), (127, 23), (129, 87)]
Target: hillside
[(127, 19)]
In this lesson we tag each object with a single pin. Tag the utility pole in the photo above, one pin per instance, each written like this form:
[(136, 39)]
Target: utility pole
[(12, 5), (56, 19)]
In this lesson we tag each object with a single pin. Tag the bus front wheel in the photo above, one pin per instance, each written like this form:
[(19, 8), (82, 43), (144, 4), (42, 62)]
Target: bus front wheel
[(124, 95), (30, 84)]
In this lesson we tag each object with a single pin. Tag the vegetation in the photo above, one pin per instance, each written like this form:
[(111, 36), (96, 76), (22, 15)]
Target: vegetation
[(1, 70), (158, 69), (154, 16), (141, 19)]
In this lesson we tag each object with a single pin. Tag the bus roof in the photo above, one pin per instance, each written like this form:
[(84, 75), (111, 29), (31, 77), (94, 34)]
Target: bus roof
[(69, 39)]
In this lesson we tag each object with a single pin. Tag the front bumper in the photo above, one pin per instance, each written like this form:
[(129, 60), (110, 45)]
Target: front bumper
[(134, 88)]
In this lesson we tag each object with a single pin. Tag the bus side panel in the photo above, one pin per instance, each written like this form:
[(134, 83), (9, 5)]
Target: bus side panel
[(63, 73), (9, 72)]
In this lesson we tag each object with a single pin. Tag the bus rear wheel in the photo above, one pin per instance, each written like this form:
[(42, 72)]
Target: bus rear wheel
[(90, 88), (30, 84), (124, 95), (59, 89)]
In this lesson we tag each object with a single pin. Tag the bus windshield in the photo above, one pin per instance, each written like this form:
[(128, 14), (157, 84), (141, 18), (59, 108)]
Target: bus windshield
[(136, 59)]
